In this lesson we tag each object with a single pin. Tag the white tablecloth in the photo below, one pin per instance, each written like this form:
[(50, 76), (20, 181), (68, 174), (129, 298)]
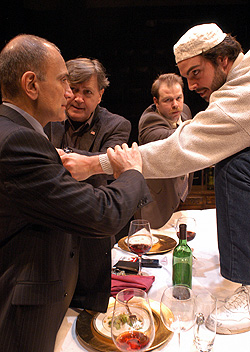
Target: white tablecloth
[(206, 276)]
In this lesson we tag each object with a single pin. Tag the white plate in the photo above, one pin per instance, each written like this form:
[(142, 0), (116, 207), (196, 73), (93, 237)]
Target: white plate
[(102, 321)]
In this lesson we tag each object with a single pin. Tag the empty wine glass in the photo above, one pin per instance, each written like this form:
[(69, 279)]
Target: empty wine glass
[(205, 327), (132, 326), (177, 309), (140, 239)]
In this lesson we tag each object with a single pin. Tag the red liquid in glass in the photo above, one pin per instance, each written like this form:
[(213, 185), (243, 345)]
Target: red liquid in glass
[(139, 248), (132, 341), (190, 235)]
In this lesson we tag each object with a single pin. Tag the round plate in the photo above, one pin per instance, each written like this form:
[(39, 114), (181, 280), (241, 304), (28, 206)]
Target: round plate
[(92, 329), (164, 244), (101, 322)]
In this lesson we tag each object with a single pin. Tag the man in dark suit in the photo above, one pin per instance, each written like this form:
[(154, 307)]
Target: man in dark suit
[(90, 128), (43, 209), (160, 120)]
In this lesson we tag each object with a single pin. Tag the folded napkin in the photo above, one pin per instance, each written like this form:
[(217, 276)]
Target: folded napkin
[(120, 282)]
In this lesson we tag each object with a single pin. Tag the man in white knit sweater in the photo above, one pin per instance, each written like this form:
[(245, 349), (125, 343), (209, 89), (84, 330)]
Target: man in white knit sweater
[(216, 68)]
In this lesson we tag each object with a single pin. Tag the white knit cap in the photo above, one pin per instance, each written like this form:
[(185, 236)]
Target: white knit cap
[(197, 40)]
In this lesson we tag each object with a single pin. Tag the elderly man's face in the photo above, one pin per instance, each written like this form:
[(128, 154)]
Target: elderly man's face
[(86, 97), (54, 90), (170, 102), (202, 76)]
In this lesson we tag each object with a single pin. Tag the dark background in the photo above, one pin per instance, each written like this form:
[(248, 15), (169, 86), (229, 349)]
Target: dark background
[(133, 39)]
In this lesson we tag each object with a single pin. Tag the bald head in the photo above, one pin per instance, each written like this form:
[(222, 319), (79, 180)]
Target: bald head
[(23, 53)]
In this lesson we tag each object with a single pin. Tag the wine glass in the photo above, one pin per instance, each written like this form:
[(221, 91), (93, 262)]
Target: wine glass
[(132, 326), (177, 309), (140, 239), (205, 327), (191, 226)]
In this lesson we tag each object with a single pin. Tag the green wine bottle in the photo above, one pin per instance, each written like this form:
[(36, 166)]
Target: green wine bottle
[(182, 260)]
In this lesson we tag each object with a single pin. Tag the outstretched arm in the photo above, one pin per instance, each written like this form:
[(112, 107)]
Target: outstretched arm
[(80, 166), (121, 159)]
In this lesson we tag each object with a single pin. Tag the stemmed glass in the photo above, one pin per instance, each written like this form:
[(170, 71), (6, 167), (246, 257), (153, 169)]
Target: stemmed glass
[(205, 322), (191, 226), (140, 239), (177, 309), (132, 326)]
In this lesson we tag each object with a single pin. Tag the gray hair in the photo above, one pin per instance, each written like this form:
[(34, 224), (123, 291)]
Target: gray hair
[(23, 53), (82, 69), (169, 78)]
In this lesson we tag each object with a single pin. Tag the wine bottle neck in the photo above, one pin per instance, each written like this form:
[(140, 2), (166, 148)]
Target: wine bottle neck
[(183, 241), (183, 232)]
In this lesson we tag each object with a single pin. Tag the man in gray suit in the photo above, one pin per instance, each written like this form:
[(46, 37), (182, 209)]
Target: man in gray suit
[(43, 210), (160, 120), (89, 128)]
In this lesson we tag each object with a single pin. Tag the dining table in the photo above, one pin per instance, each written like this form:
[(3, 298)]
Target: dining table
[(206, 277)]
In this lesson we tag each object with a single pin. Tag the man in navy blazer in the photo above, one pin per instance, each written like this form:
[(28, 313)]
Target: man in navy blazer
[(44, 211)]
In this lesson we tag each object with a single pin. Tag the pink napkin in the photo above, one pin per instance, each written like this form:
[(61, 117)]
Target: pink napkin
[(120, 282)]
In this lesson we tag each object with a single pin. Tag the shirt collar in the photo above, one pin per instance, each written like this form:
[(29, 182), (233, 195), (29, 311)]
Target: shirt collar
[(176, 124), (237, 61), (32, 121), (84, 124), (173, 124)]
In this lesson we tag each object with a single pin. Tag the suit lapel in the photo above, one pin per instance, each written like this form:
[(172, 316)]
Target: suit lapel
[(90, 136), (56, 134)]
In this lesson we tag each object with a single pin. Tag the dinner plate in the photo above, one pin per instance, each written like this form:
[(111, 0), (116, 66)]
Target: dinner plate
[(164, 244), (93, 330)]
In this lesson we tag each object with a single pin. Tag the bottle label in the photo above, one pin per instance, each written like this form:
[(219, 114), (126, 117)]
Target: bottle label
[(182, 274)]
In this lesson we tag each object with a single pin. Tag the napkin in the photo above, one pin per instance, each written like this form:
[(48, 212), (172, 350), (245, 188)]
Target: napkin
[(120, 282)]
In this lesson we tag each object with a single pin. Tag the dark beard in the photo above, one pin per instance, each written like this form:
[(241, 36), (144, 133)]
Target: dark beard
[(219, 79)]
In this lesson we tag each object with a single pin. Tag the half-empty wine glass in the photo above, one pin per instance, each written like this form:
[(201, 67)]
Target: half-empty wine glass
[(177, 309), (191, 226), (140, 239), (132, 326)]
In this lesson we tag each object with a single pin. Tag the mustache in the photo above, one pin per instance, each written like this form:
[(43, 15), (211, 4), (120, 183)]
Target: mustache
[(200, 90), (176, 110)]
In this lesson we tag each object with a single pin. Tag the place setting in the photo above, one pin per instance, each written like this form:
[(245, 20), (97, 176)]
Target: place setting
[(160, 244), (95, 329), (133, 322)]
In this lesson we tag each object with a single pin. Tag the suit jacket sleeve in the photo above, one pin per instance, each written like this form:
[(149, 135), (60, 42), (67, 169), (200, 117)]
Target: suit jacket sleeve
[(40, 190)]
